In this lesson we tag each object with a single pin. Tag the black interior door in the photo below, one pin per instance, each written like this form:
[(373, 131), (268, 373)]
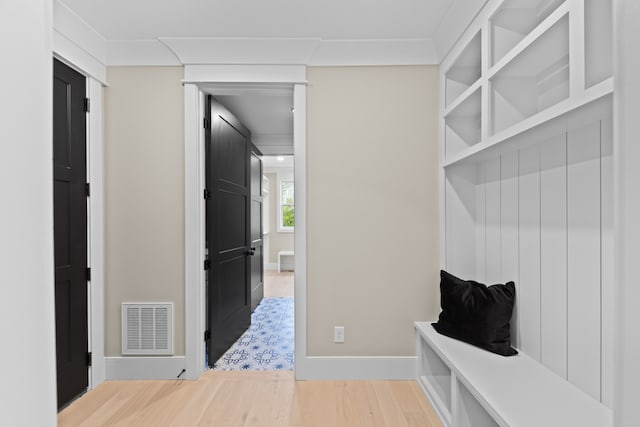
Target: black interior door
[(228, 176), (257, 261), (70, 231)]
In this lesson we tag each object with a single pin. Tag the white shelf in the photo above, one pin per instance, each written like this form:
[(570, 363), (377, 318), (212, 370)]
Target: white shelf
[(435, 376), (514, 20), (462, 125), (464, 72), (534, 80), (598, 41), (592, 103), (493, 390)]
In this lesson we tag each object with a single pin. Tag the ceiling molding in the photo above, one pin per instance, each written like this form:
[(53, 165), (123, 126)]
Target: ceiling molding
[(140, 52), (77, 44), (265, 51), (73, 27), (375, 52), (242, 50)]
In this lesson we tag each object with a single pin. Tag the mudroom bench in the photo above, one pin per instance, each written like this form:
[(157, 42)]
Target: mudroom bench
[(471, 387)]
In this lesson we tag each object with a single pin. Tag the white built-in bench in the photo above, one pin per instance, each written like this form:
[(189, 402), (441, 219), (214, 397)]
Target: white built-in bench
[(280, 255), (471, 387)]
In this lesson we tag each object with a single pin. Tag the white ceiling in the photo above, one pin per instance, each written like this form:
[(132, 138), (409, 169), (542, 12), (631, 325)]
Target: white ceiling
[(326, 19), (268, 117)]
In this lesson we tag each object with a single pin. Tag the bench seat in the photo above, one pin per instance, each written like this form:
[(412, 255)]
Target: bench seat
[(471, 387)]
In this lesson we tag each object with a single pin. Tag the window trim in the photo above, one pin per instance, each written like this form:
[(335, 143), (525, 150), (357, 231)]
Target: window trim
[(285, 177)]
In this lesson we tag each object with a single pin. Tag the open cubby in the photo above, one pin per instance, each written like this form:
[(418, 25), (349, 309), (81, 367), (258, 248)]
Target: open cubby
[(462, 125), (464, 72), (470, 412), (533, 81), (514, 20), (436, 375), (598, 39)]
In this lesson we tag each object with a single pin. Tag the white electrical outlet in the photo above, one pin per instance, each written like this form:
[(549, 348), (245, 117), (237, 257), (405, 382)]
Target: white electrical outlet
[(338, 334)]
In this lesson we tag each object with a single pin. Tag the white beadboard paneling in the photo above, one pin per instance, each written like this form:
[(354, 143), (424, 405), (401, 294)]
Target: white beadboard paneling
[(607, 260), (583, 262), (460, 221), (509, 233), (529, 251), (553, 249), (481, 227), (493, 251)]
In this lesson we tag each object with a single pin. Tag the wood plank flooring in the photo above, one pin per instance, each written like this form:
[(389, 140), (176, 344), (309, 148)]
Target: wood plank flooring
[(278, 284), (230, 399)]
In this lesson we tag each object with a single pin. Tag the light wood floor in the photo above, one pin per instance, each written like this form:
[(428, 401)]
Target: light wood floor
[(278, 284), (229, 399)]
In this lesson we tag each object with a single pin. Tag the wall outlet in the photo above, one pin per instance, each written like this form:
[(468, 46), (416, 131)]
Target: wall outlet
[(338, 334)]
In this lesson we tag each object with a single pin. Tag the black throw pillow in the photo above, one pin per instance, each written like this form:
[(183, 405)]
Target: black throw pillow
[(477, 314)]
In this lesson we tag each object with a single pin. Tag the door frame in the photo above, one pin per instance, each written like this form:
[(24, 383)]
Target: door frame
[(95, 224), (234, 79)]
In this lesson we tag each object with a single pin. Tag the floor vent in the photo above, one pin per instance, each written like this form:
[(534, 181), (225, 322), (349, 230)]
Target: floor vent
[(147, 328)]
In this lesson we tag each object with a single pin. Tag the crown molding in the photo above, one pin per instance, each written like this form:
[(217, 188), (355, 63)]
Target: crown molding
[(271, 51)]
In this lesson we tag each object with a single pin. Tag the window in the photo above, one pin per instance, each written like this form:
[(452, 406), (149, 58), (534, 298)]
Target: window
[(286, 216)]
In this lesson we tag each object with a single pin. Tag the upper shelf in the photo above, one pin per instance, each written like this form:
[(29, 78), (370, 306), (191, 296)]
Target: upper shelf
[(519, 67), (514, 20), (464, 72), (592, 103), (535, 80)]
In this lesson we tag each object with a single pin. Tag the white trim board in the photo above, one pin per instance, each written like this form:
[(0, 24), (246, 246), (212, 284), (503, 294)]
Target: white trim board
[(96, 231), (145, 368)]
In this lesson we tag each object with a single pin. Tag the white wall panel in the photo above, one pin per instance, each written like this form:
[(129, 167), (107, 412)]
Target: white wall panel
[(583, 262), (509, 232), (544, 219), (460, 222), (529, 251), (493, 243), (553, 249), (607, 260), (481, 227)]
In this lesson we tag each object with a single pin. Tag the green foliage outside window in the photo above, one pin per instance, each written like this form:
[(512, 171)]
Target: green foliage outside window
[(286, 203), (287, 216)]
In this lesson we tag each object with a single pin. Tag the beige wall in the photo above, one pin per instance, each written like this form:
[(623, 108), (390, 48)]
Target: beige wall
[(278, 241), (144, 200), (373, 251)]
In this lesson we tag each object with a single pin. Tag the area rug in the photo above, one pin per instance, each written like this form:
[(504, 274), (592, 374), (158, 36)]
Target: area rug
[(268, 343)]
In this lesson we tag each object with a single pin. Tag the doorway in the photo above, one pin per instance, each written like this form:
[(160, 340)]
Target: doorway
[(234, 81), (237, 225), (70, 232)]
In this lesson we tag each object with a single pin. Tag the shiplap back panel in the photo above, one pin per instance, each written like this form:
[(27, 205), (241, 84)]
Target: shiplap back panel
[(607, 262), (553, 255), (509, 221), (529, 249), (544, 218), (460, 202), (583, 263)]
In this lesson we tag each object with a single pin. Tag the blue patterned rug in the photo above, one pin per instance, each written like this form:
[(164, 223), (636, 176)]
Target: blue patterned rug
[(268, 343)]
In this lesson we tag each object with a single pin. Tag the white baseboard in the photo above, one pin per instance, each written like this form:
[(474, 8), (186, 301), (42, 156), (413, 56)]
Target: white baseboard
[(356, 368), (271, 266), (144, 368)]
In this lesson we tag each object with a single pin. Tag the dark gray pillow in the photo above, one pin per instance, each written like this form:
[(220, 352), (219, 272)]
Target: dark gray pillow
[(476, 313)]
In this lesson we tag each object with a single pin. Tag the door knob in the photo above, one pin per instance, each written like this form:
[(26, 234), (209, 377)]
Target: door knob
[(252, 251)]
